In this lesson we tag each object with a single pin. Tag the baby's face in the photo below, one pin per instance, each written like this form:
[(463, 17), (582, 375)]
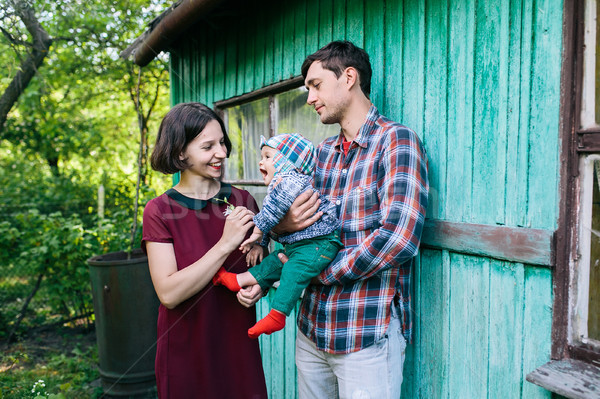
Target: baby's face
[(267, 169)]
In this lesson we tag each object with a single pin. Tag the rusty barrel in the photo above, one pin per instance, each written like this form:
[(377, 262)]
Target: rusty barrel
[(126, 312)]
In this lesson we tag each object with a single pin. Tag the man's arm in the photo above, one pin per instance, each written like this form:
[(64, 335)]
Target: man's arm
[(403, 202)]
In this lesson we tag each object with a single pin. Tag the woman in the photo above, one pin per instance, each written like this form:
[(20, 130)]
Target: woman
[(203, 350)]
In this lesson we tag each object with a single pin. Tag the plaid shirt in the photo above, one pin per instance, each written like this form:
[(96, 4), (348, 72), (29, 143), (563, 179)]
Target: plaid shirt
[(380, 190)]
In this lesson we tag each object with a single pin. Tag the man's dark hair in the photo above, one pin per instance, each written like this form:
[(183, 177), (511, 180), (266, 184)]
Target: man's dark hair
[(178, 128), (339, 55)]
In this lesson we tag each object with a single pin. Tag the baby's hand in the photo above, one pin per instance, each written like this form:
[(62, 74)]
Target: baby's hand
[(254, 238), (255, 255)]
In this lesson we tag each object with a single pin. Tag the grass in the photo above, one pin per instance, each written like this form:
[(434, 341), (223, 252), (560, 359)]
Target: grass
[(59, 363)]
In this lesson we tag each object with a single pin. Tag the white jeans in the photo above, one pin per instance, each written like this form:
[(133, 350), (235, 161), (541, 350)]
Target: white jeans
[(374, 372)]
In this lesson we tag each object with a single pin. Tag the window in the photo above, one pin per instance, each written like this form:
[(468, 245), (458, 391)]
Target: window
[(268, 112), (585, 316), (574, 371), (585, 279)]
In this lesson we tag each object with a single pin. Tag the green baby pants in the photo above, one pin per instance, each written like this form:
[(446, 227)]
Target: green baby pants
[(307, 258)]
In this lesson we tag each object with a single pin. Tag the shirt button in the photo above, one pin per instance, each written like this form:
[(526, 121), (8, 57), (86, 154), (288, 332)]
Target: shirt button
[(344, 171), (338, 202)]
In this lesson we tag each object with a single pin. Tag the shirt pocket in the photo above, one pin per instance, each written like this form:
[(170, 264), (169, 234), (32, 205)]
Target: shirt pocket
[(361, 210)]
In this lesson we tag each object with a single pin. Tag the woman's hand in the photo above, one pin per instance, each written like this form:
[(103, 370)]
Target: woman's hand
[(248, 296), (301, 214), (237, 224)]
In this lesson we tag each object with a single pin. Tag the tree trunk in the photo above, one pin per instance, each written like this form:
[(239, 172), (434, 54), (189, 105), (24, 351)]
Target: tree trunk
[(29, 66)]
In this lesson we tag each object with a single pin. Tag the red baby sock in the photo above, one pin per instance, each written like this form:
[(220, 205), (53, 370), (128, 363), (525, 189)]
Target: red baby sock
[(272, 322), (229, 280)]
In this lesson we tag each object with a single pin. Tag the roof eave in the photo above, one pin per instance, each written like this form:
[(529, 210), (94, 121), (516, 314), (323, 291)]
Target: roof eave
[(166, 28)]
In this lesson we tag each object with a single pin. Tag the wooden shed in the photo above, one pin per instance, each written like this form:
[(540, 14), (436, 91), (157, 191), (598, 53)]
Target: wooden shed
[(505, 95)]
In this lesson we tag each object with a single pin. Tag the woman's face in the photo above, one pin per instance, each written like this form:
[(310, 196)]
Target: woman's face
[(205, 154), (267, 169)]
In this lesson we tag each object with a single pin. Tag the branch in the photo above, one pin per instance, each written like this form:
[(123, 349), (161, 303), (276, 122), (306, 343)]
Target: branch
[(24, 309), (41, 45)]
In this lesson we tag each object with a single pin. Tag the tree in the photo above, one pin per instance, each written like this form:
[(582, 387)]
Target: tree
[(62, 112), (39, 45)]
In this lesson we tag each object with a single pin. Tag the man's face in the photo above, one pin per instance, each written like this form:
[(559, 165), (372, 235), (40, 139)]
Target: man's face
[(326, 93)]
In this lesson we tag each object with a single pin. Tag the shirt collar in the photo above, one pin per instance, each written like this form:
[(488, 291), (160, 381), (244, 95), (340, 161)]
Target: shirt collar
[(362, 138), (198, 204)]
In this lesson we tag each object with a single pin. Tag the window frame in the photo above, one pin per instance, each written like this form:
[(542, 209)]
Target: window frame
[(578, 143), (268, 91)]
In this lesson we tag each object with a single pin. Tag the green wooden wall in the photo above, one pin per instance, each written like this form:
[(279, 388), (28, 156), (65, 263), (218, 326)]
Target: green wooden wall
[(479, 81)]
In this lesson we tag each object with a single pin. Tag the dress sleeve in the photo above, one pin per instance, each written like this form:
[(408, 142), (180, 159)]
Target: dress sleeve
[(154, 227)]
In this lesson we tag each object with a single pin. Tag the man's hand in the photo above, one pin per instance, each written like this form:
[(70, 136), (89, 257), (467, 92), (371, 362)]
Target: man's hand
[(301, 214), (248, 296)]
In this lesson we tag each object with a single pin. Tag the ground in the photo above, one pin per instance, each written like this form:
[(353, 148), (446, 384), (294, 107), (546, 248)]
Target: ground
[(60, 362)]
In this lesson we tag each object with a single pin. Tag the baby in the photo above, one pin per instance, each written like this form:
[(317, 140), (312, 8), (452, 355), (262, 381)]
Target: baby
[(287, 165)]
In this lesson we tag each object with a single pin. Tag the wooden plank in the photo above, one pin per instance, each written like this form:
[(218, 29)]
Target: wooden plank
[(290, 380), (249, 43), (174, 79), (531, 246), (374, 46), (392, 75), (516, 154), (278, 45), (507, 297), (272, 17), (288, 42), (300, 37), (571, 378), (433, 317), (502, 104), (325, 25), (260, 31), (410, 380), (219, 66), (355, 22), (210, 66), (486, 195), (231, 63), (413, 66), (242, 48), (469, 327), (200, 86), (461, 34), (262, 309), (537, 327), (313, 30), (339, 20), (522, 188), (435, 128), (545, 112)]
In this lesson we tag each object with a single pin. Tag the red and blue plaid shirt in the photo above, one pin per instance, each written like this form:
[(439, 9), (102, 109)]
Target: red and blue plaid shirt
[(380, 190)]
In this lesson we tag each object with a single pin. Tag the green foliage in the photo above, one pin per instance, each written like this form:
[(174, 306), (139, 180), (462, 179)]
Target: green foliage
[(73, 129), (64, 370)]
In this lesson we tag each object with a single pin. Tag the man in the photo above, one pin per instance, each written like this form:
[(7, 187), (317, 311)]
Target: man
[(354, 324)]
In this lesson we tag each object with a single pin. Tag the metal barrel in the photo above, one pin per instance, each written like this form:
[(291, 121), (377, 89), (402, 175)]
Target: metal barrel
[(126, 312)]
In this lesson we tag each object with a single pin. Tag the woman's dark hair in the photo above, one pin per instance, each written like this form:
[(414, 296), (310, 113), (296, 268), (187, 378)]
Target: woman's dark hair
[(178, 128), (339, 55)]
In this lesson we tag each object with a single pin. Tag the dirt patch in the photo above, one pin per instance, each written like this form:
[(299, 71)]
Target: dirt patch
[(33, 349)]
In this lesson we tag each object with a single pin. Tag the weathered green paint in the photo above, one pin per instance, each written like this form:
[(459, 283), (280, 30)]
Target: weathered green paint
[(479, 81)]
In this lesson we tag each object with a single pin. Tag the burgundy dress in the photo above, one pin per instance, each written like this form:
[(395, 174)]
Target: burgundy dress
[(203, 349)]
